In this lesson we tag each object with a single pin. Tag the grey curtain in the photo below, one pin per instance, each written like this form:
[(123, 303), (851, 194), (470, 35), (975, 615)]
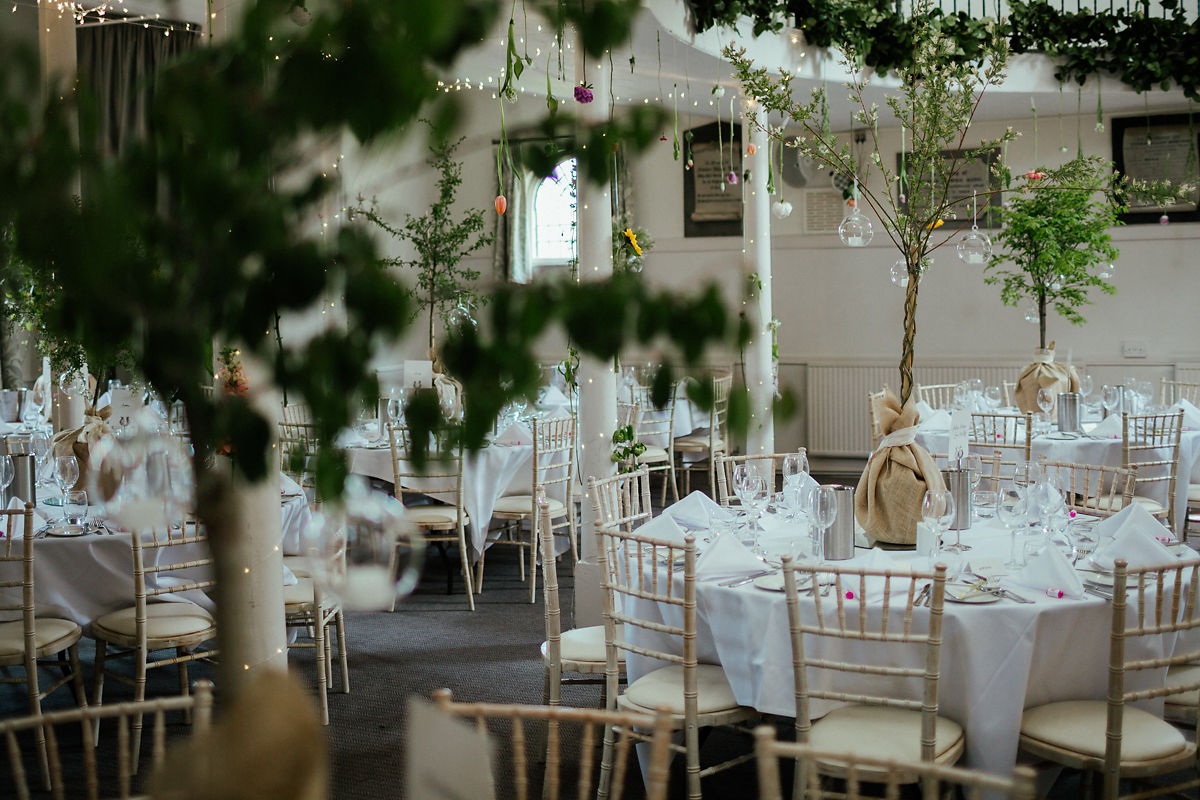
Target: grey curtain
[(118, 61)]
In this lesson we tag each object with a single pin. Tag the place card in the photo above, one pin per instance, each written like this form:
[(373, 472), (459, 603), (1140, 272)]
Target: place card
[(124, 406), (445, 758), (960, 435), (418, 374)]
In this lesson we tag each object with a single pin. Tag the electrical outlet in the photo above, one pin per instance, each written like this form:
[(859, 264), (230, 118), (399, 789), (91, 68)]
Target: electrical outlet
[(1135, 348)]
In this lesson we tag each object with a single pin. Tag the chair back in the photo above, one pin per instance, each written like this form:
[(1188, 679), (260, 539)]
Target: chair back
[(636, 570), (1010, 390), (621, 501), (510, 726), (168, 561), (554, 457), (652, 425), (1162, 607), (59, 742), (297, 413), (440, 478), (874, 401), (1092, 488), (1174, 391), (16, 574), (937, 395), (769, 465), (938, 780), (892, 639), (1006, 432), (298, 450), (1151, 443)]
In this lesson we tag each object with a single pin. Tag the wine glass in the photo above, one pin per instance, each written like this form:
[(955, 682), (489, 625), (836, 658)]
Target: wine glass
[(66, 473), (1011, 511), (39, 448), (794, 465), (1144, 391), (6, 476), (992, 397), (937, 510), (824, 513), (962, 390), (1045, 400), (755, 497), (1110, 398), (1086, 384), (31, 413)]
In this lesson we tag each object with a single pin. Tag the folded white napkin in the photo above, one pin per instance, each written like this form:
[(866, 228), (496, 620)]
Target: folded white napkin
[(937, 419), (697, 511), (1191, 414), (1050, 570), (807, 484), (727, 558), (287, 485), (515, 434), (663, 528), (17, 503), (1107, 428), (552, 396), (1133, 516), (351, 437), (924, 410), (289, 577), (1135, 541)]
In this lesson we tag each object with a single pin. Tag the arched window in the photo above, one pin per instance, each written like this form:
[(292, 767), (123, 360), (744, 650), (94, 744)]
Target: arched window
[(552, 221)]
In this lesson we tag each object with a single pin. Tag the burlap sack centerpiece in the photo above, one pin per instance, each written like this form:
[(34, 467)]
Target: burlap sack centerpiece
[(1044, 372), (887, 502), (79, 441)]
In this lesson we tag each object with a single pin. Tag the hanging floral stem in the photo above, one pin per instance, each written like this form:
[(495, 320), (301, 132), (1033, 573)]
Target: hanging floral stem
[(675, 132)]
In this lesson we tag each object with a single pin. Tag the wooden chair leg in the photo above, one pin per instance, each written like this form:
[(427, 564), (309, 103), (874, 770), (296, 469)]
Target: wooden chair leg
[(139, 694), (183, 682), (343, 658), (319, 652), (98, 680)]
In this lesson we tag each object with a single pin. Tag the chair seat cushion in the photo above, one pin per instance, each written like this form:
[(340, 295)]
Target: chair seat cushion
[(1117, 503), (653, 455), (1080, 726), (583, 644), (883, 732), (664, 688), (434, 515), (47, 631), (299, 593), (1194, 492), (698, 442), (163, 620), (523, 504), (1181, 675), (299, 565)]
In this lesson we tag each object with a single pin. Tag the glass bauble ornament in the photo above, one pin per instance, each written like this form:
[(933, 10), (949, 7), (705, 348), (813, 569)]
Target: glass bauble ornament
[(974, 247), (856, 230)]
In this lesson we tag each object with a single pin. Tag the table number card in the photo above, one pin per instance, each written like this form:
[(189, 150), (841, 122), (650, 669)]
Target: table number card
[(418, 374), (446, 759), (124, 407), (960, 435)]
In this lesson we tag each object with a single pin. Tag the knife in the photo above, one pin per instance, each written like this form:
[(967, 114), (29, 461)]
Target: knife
[(746, 578)]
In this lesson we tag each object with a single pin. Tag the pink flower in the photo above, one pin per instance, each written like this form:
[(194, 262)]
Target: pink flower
[(1034, 175), (583, 94), (732, 178)]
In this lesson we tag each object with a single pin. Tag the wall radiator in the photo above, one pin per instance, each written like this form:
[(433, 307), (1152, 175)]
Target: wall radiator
[(838, 420)]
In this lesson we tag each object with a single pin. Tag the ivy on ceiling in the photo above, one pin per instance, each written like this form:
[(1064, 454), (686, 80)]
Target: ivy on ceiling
[(1143, 51)]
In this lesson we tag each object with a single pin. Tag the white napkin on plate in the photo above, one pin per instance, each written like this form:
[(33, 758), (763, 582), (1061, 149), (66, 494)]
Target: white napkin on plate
[(1107, 428), (1133, 516), (697, 511), (937, 419), (663, 528), (1050, 570), (1135, 541), (727, 558), (515, 434), (1191, 414)]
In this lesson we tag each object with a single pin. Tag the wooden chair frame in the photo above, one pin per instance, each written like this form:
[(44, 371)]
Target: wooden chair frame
[(1164, 602), (1003, 432), (640, 568), (1141, 436), (874, 401), (554, 442), (298, 449), (1171, 392), (1093, 489), (937, 395), (305, 606), (443, 522), (714, 441), (849, 623), (588, 721), (18, 550), (650, 421), (197, 704), (937, 780), (141, 644)]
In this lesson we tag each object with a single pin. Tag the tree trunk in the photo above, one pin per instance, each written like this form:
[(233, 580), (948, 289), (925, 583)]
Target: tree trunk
[(910, 331), (1042, 320)]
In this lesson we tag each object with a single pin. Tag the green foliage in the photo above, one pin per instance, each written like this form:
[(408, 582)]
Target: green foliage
[(201, 231), (441, 243), (936, 103), (626, 448), (629, 249), (1144, 51)]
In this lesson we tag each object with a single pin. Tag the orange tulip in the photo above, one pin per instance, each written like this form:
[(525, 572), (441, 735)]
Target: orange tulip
[(501, 204), (750, 149)]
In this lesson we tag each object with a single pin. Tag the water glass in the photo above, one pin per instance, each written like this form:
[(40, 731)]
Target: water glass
[(1011, 511), (66, 473), (984, 501), (75, 508)]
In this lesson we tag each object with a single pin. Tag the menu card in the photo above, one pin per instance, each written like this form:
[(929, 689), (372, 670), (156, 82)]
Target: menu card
[(960, 435), (418, 374)]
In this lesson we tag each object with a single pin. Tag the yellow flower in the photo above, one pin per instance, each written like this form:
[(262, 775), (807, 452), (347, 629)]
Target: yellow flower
[(939, 223), (632, 237)]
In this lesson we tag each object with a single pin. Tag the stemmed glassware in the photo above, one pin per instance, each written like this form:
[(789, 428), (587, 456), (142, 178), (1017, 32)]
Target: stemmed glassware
[(962, 391), (1110, 398), (1011, 510), (66, 473), (6, 476), (39, 448), (992, 397), (794, 465), (1045, 400), (824, 514), (755, 497), (937, 510), (1086, 384)]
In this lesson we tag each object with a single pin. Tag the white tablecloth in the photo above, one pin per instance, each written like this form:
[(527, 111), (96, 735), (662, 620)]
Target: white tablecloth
[(996, 659), (1084, 450), (489, 474)]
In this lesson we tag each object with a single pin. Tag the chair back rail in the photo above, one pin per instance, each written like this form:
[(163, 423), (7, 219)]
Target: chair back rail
[(1093, 488), (937, 395), (1172, 392), (1003, 431), (623, 500), (1151, 442)]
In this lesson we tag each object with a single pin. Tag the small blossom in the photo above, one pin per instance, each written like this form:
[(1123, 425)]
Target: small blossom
[(1164, 219), (632, 237), (1034, 175), (501, 204), (732, 178), (583, 93), (751, 149)]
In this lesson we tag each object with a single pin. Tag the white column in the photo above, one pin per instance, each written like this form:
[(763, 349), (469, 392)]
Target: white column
[(756, 237), (597, 379)]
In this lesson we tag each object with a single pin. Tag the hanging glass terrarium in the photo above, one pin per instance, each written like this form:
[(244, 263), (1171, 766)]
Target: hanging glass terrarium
[(975, 247), (856, 230)]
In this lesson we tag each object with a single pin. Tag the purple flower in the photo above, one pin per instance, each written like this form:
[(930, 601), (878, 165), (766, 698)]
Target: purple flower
[(583, 94)]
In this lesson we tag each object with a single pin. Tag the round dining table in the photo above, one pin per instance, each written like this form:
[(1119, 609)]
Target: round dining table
[(998, 656)]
